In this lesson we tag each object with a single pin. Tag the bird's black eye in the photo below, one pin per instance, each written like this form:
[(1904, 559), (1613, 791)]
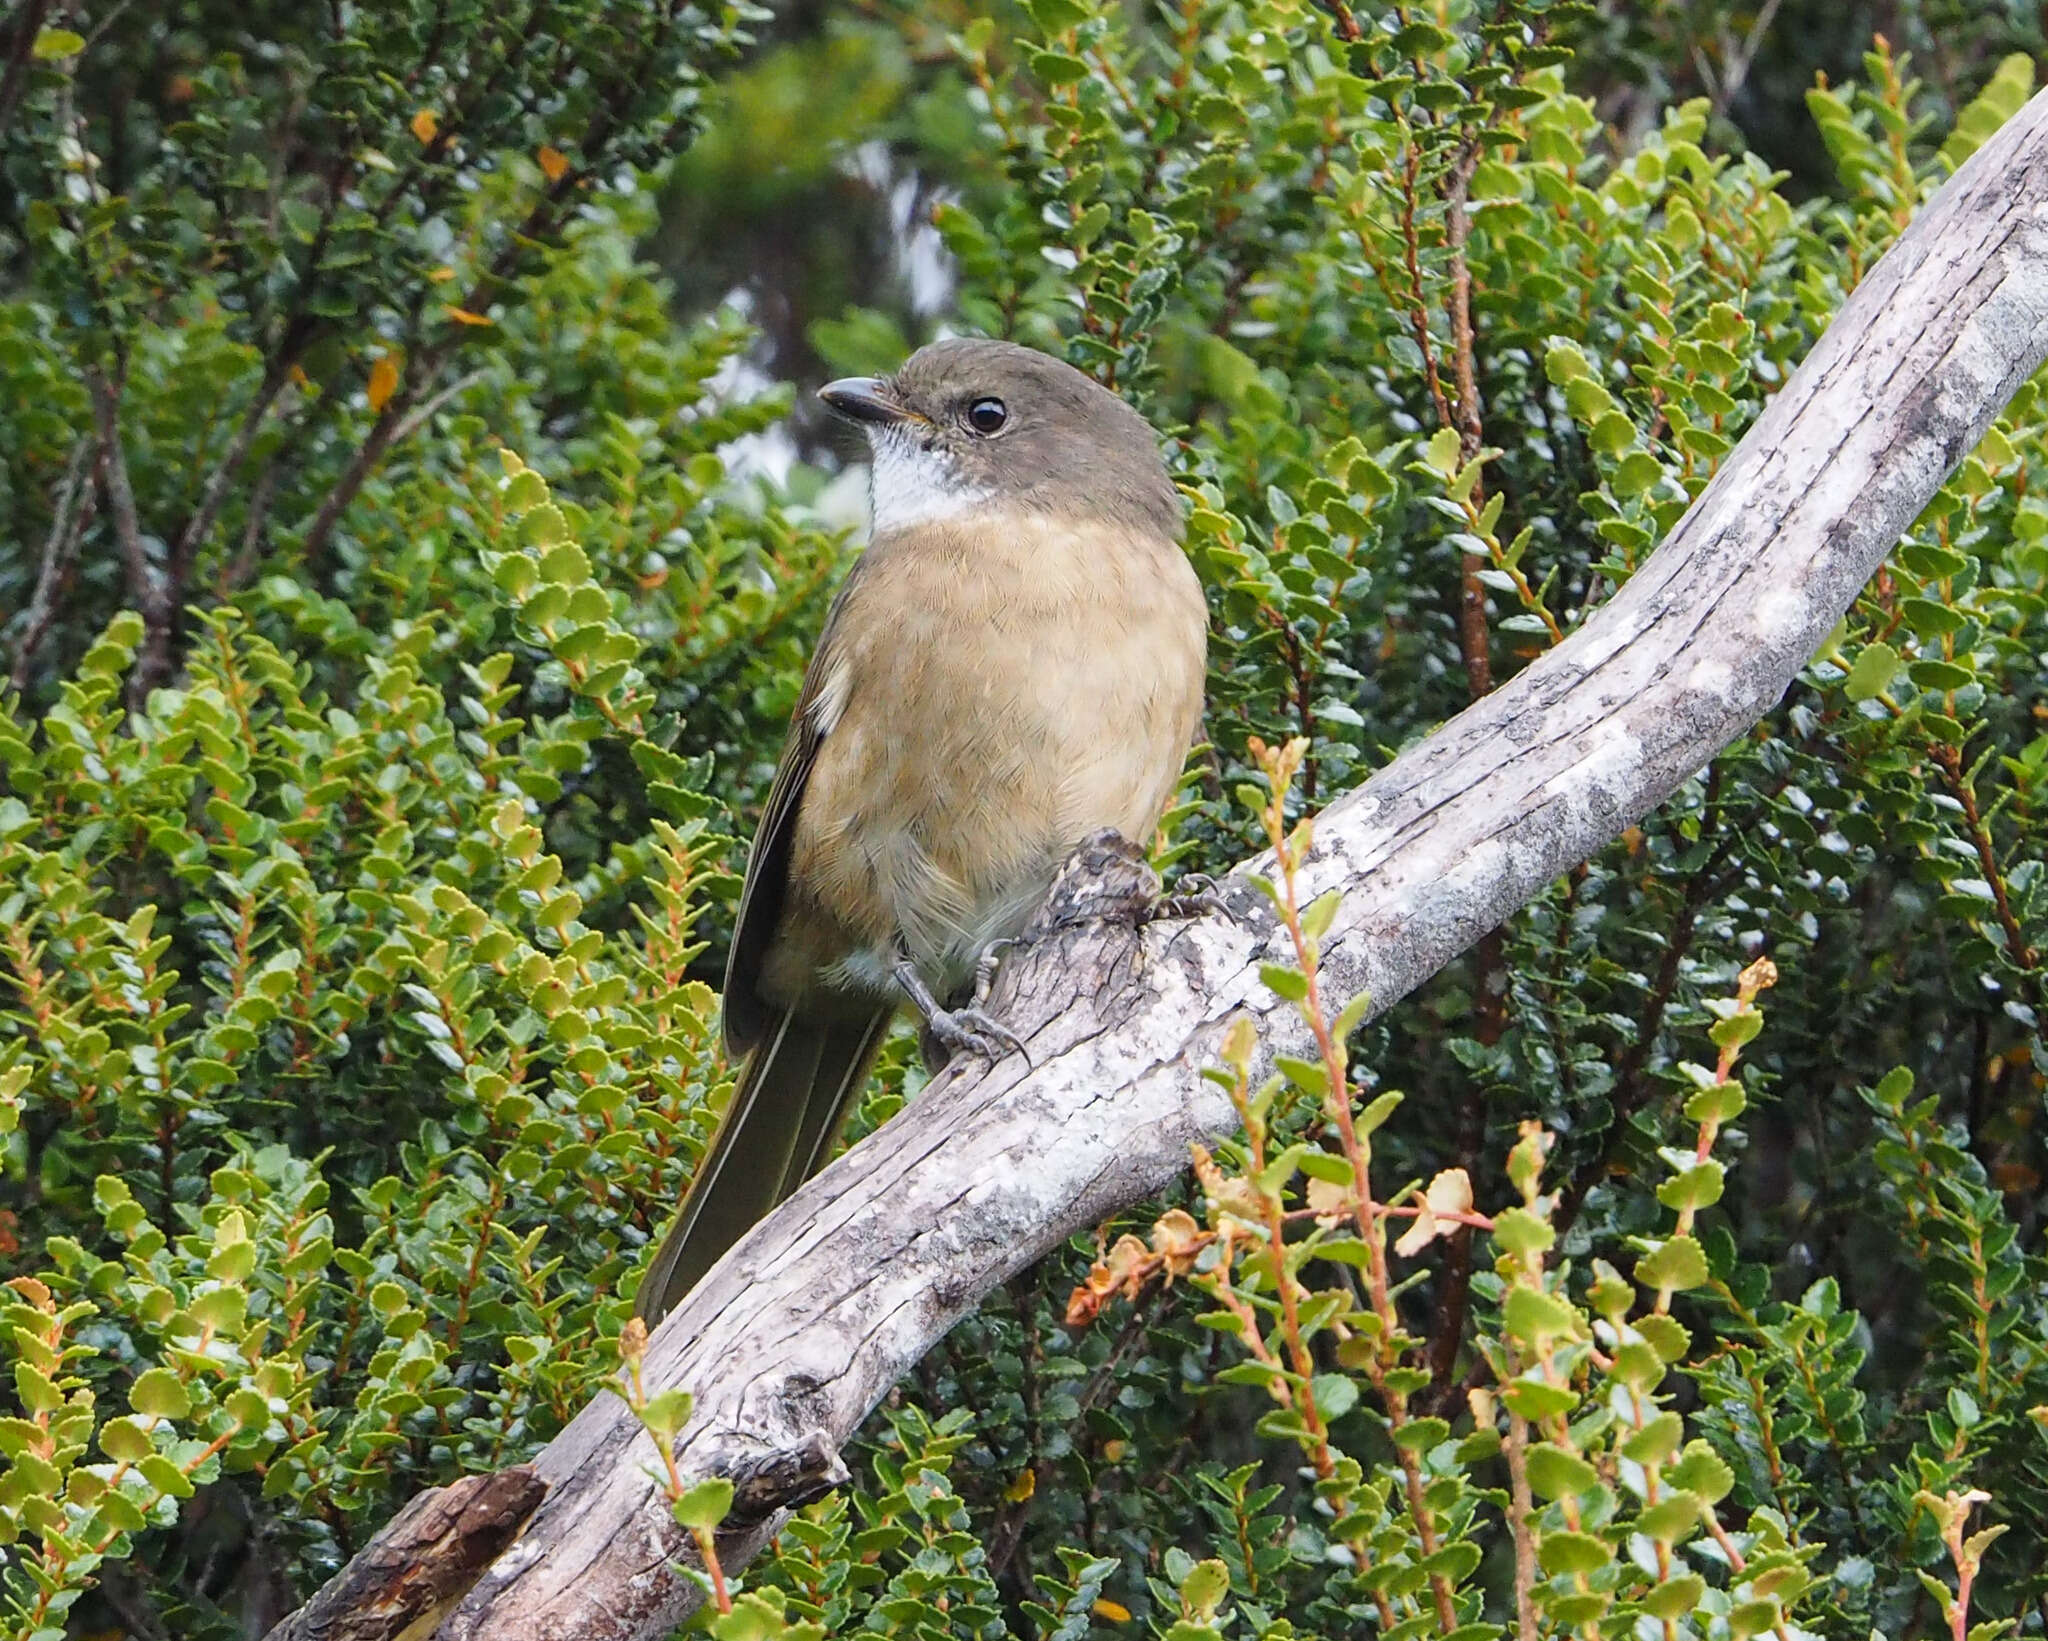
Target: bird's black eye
[(987, 416)]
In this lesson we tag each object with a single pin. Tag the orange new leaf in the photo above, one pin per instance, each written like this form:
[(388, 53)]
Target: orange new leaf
[(383, 381)]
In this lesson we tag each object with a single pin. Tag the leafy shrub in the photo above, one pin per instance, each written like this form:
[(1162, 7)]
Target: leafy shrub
[(388, 688)]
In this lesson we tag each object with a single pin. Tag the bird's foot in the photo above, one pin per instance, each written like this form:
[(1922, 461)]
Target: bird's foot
[(985, 967), (969, 1030), (1195, 895), (973, 1031)]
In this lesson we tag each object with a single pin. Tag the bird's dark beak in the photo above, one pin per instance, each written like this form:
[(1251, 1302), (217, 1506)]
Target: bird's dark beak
[(866, 399)]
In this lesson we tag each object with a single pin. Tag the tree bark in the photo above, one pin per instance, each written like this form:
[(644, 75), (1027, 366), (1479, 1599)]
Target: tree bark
[(428, 1555), (803, 1327)]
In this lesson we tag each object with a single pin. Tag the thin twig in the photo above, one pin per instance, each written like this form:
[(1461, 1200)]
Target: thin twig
[(112, 16), (214, 492), (383, 433), (1475, 644), (1519, 1516), (1474, 635), (243, 564), (75, 506), (19, 54), (1742, 60), (420, 417), (148, 585)]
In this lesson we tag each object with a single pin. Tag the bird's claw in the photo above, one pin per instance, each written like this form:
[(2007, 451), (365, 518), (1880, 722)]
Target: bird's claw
[(986, 965), (1195, 895), (973, 1031)]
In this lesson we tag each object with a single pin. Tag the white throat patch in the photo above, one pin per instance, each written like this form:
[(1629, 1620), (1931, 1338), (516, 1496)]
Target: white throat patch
[(910, 485)]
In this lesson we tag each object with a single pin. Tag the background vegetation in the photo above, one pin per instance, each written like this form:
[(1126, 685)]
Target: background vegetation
[(410, 531)]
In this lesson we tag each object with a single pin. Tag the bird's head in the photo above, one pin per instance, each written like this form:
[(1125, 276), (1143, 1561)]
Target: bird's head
[(971, 426)]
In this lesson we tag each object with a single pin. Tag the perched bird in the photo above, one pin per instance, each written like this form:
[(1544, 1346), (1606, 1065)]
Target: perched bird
[(1015, 662)]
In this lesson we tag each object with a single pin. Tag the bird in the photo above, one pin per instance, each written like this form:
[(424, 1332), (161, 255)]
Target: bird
[(1015, 662)]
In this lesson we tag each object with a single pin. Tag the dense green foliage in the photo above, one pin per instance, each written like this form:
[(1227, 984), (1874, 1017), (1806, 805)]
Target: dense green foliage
[(398, 639)]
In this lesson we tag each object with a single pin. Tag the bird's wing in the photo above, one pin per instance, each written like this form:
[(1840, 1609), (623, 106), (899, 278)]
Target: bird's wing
[(748, 1015)]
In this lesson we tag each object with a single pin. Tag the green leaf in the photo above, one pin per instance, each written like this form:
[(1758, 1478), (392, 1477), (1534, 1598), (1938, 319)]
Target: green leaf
[(1697, 1187), (516, 574), (1871, 673), (1940, 676), (119, 1512), (1535, 1318), (1306, 1075), (1675, 1266), (1286, 982), (703, 1506), (52, 43), (2009, 87), (1204, 1588), (1564, 362), (1422, 1435), (125, 1441), (1336, 1394), (1656, 1441), (1719, 1103), (1535, 1400), (524, 490), (1440, 454), (1635, 474), (1671, 1519), (1612, 433), (1666, 1335), (248, 1408), (564, 562), (1058, 68), (1056, 16), (1737, 1030), (1318, 914), (1703, 1472), (665, 1414), (1522, 1234), (158, 1392), (1555, 1473), (1568, 1553), (1675, 1597), (1350, 1016)]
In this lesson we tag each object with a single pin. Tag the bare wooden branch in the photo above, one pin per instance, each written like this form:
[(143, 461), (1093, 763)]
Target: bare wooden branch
[(361, 465), (149, 584), (69, 518), (803, 1327), (432, 1551), (214, 492), (438, 402)]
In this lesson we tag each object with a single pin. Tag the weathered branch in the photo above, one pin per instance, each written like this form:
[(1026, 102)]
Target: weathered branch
[(432, 1551), (802, 1328)]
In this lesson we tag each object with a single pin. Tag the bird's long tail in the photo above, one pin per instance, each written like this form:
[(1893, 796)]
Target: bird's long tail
[(793, 1091)]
